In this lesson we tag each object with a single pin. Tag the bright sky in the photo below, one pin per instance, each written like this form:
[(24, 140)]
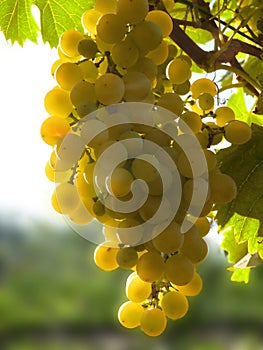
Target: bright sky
[(25, 78)]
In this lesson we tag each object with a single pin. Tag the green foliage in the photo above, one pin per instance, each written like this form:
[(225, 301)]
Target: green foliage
[(18, 23), (240, 220)]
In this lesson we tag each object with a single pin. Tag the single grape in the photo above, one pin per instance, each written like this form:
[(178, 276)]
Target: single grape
[(57, 102), (87, 48), (174, 304), (137, 86), (146, 36), (127, 257), (136, 289), (111, 28), (238, 132), (203, 85), (109, 89), (129, 314), (206, 101), (224, 115), (223, 188), (162, 19), (69, 42), (179, 269), (150, 266), (153, 322), (178, 71), (132, 11), (53, 128), (105, 257)]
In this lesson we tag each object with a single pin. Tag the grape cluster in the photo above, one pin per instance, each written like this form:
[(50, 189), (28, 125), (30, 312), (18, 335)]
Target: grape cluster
[(132, 143)]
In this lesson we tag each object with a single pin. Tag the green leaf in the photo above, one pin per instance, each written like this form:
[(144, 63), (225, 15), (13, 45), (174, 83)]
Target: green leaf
[(240, 275), (200, 36), (57, 16), (241, 220), (238, 104), (253, 66), (17, 22)]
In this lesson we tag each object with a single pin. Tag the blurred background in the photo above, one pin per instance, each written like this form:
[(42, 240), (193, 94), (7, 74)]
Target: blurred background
[(52, 296)]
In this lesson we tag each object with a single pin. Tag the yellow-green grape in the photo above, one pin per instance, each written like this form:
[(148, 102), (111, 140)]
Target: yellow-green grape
[(129, 314), (111, 28), (172, 51), (67, 197), (179, 269), (57, 102), (203, 226), (85, 108), (105, 6), (213, 134), (70, 149), (150, 207), (81, 216), (182, 89), (105, 257), (190, 165), (146, 66), (85, 189), (206, 101), (98, 209), (145, 167), (53, 128), (146, 36), (136, 289), (160, 54), (192, 288), (169, 5), (90, 71), (82, 92), (150, 266), (194, 189), (186, 59), (119, 182), (169, 240), (157, 136), (55, 66), (87, 48), (57, 176), (224, 115), (132, 236), (211, 160), (174, 304), (203, 85), (194, 247), (127, 257), (178, 71), (68, 74), (153, 322), (137, 86), (172, 102), (132, 11), (238, 132), (69, 41), (89, 20), (192, 120), (109, 89), (223, 188), (124, 53), (162, 19)]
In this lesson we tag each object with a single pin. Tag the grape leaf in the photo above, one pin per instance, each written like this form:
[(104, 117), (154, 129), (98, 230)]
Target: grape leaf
[(200, 36), (238, 104), (17, 22), (241, 219)]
